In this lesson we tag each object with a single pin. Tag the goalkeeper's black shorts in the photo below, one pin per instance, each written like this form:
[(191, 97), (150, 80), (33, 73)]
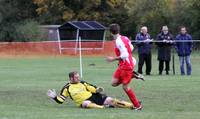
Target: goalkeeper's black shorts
[(97, 98)]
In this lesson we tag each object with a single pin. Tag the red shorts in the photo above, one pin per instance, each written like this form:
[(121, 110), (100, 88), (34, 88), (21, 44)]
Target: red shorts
[(124, 76)]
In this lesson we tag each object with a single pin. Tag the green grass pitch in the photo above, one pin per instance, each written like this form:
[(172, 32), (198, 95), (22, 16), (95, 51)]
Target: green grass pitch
[(24, 82)]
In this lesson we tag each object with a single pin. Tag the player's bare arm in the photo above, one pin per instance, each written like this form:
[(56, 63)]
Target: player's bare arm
[(111, 59)]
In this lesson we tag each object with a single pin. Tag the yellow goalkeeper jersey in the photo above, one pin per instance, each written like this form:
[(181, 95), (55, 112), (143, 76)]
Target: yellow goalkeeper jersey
[(78, 92)]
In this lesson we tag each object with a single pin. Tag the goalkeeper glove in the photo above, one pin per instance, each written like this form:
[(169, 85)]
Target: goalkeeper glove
[(99, 90), (51, 93)]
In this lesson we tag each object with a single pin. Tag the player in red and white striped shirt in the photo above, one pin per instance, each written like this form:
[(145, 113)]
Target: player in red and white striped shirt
[(124, 72)]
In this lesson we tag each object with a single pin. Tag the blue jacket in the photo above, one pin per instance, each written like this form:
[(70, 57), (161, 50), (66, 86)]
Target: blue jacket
[(184, 48), (143, 48)]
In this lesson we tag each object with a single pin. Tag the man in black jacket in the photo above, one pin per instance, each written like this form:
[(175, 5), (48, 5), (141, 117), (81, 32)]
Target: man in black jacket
[(165, 41)]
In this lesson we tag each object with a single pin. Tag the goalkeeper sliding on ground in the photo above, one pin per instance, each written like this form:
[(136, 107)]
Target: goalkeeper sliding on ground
[(85, 95)]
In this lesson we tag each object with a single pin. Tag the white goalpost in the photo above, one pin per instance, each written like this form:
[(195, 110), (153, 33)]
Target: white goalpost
[(91, 32), (78, 36), (80, 58)]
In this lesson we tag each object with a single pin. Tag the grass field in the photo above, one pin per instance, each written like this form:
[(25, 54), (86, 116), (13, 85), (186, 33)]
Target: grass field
[(24, 82)]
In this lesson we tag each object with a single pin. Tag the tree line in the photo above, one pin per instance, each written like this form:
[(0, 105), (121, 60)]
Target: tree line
[(20, 18)]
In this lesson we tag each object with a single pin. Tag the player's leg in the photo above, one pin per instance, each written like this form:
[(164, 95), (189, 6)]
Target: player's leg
[(89, 104), (117, 103), (116, 78), (115, 82), (138, 76), (126, 79), (132, 96)]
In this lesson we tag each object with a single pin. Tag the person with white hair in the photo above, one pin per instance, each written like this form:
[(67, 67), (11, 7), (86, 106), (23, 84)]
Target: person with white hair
[(144, 44), (164, 45)]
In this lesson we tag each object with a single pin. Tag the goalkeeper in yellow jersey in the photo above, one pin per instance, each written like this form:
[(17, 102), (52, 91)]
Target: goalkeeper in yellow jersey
[(85, 95)]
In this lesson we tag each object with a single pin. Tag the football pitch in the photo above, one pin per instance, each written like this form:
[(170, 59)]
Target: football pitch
[(24, 82)]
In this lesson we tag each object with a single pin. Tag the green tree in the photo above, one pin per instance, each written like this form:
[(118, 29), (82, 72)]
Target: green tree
[(58, 11), (193, 7), (151, 13), (12, 12), (130, 14), (29, 30), (174, 13)]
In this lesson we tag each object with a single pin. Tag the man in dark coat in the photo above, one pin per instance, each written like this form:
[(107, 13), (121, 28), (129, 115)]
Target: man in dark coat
[(144, 44), (184, 48), (165, 41)]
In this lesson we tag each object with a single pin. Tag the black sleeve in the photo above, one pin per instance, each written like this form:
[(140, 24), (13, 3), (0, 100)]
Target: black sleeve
[(159, 44)]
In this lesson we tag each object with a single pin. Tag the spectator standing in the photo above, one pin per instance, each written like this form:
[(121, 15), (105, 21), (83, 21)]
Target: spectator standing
[(184, 48), (144, 45), (165, 41)]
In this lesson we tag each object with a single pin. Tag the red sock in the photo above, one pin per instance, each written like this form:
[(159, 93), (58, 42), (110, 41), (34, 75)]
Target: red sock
[(132, 97)]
